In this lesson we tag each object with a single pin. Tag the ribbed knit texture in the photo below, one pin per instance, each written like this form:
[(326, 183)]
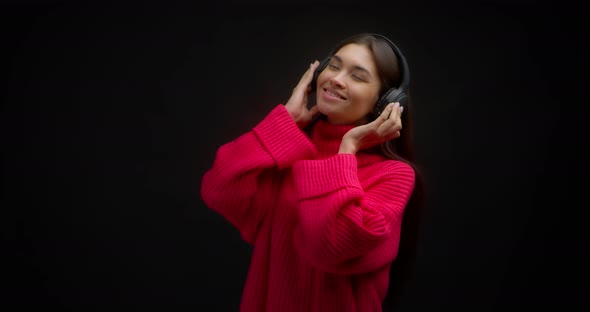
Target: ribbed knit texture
[(325, 226)]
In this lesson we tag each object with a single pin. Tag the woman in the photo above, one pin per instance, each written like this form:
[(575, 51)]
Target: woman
[(321, 192)]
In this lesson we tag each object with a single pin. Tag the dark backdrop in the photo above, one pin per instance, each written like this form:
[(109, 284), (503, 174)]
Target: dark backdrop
[(112, 113)]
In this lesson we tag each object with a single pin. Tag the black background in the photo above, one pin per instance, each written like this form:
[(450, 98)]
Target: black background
[(112, 112)]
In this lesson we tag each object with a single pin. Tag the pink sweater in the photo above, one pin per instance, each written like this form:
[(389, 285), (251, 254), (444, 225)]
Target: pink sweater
[(325, 226)]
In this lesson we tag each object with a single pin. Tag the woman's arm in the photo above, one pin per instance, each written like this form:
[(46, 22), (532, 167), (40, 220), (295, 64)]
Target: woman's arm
[(346, 226), (242, 170)]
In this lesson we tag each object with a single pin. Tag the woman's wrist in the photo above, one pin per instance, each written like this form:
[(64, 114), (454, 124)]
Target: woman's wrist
[(290, 111), (347, 147)]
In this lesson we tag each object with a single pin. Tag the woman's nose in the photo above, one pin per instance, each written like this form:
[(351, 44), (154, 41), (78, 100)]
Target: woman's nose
[(337, 81)]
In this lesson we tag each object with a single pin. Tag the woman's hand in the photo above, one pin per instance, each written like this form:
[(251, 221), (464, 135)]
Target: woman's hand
[(297, 104), (386, 127)]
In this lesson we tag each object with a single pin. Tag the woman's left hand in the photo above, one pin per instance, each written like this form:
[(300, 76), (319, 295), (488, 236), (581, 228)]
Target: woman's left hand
[(386, 127), (297, 104)]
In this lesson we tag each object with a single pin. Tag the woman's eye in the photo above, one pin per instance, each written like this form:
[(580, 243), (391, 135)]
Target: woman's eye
[(332, 66), (357, 78)]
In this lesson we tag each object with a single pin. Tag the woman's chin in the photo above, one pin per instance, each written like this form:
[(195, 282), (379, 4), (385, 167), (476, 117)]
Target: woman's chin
[(325, 108)]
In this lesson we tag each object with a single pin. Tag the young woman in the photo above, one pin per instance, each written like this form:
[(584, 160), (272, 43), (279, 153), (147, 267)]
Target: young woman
[(321, 192)]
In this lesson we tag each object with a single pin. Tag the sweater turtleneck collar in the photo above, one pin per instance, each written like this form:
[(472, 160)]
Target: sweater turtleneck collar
[(326, 138)]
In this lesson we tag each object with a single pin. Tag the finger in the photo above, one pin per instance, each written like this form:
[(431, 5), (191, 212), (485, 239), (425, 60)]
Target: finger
[(385, 129), (384, 115), (308, 75), (310, 72), (395, 135), (390, 126), (392, 135), (388, 116), (396, 110), (394, 123)]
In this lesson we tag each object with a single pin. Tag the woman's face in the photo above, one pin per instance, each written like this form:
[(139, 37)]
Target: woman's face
[(348, 87)]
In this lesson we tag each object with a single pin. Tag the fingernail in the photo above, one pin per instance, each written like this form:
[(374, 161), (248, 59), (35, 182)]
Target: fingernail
[(396, 104), (401, 110)]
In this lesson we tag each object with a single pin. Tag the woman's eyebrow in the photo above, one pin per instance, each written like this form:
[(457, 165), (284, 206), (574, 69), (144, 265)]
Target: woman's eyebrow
[(356, 67)]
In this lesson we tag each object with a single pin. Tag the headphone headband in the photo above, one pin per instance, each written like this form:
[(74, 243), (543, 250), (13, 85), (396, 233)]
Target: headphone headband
[(403, 63)]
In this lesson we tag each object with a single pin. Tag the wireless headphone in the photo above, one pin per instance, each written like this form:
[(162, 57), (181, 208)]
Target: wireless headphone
[(394, 94)]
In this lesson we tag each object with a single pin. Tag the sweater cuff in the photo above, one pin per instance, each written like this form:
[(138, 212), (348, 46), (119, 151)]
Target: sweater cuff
[(319, 177), (283, 140)]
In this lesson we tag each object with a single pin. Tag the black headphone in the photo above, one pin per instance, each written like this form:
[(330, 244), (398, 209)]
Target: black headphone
[(394, 94)]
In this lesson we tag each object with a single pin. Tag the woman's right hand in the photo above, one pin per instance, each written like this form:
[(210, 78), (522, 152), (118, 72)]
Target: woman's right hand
[(386, 127), (297, 104)]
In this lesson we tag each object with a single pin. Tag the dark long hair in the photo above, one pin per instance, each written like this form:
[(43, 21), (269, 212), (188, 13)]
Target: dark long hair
[(402, 149)]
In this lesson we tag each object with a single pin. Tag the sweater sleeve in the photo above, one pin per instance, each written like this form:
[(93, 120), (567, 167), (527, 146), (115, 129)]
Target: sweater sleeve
[(346, 227), (239, 184)]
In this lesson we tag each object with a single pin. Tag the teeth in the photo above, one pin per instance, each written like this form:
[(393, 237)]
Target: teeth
[(333, 94)]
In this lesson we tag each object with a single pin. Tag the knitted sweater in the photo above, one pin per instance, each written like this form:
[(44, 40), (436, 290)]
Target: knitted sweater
[(325, 226)]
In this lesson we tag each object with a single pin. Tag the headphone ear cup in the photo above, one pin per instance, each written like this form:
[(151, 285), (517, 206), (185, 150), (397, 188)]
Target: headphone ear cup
[(392, 95), (316, 73)]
